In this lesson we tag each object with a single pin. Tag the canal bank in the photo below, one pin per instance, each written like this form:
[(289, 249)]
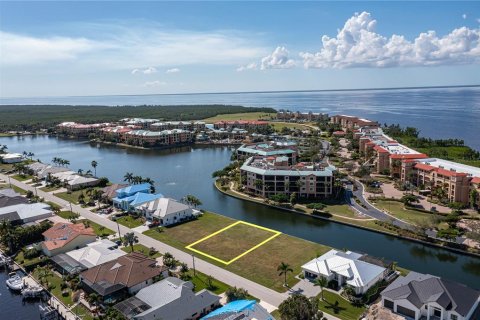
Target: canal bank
[(245, 197), (187, 170)]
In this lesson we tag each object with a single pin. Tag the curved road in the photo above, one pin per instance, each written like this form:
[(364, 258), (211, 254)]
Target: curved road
[(370, 210)]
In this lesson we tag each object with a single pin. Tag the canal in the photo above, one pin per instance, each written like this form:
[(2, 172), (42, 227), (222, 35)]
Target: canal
[(187, 170)]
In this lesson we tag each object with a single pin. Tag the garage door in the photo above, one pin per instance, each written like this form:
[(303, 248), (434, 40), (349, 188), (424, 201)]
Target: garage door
[(388, 304), (406, 312)]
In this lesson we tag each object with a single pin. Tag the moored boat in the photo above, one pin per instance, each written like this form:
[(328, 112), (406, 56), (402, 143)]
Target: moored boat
[(14, 282), (32, 291)]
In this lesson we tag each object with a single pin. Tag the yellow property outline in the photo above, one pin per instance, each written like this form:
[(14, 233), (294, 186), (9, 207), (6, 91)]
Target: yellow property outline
[(189, 247)]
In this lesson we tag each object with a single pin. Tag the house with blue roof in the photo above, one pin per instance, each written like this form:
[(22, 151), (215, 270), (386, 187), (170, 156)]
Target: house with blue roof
[(240, 309), (129, 198)]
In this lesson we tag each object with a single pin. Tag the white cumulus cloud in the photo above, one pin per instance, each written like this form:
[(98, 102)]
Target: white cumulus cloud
[(250, 66), (358, 45), (278, 59), (148, 70), (173, 70)]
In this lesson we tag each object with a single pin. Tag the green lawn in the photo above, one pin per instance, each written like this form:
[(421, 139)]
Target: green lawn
[(276, 314), (49, 189), (55, 281), (83, 312), (344, 310), (200, 281), (234, 241), (241, 116), (142, 249), (99, 230), (20, 259), (130, 221), (259, 265), (68, 215), (398, 210), (15, 188), (22, 177), (73, 195)]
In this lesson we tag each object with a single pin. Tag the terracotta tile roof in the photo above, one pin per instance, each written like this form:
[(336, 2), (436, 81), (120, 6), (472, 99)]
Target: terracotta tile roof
[(379, 149), (409, 156), (371, 143), (449, 173), (424, 167), (127, 270), (476, 180), (62, 233)]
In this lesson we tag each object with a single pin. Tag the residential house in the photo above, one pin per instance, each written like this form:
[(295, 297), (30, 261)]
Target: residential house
[(63, 237), (423, 296), (346, 268), (11, 157), (110, 191), (21, 212), (171, 299), (116, 279), (167, 211), (135, 195), (240, 309), (74, 181)]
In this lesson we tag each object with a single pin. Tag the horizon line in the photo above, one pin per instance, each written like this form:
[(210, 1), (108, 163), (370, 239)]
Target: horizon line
[(254, 92)]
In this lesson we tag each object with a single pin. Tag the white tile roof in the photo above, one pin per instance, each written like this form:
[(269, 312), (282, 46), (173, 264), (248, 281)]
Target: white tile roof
[(96, 253)]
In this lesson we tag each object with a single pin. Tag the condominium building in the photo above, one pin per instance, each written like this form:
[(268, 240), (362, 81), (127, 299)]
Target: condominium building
[(301, 116), (272, 148), (271, 175), (80, 129), (455, 179), (241, 124), (158, 138), (115, 134), (352, 122), (140, 122), (196, 126)]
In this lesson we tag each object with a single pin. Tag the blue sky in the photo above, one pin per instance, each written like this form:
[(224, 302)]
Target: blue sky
[(101, 48)]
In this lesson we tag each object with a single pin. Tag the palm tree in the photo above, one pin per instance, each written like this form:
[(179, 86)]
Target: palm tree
[(320, 282), (88, 173), (192, 200), (128, 177), (80, 171), (43, 274), (151, 182), (3, 148), (137, 179), (129, 239), (94, 166), (93, 299), (284, 269), (31, 155)]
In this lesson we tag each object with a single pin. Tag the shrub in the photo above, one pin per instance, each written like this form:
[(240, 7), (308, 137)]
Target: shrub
[(31, 253)]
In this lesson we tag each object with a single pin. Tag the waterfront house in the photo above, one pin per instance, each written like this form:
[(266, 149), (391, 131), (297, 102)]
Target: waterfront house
[(74, 181), (171, 299), (274, 175), (17, 212), (110, 191), (166, 211), (116, 279), (11, 157), (63, 237), (240, 309), (135, 195), (346, 268), (423, 296), (93, 254)]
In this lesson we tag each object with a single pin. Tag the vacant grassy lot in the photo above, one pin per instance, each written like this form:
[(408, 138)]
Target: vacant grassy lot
[(398, 210), (142, 249), (241, 116), (130, 221), (233, 241), (278, 126), (259, 265), (343, 310)]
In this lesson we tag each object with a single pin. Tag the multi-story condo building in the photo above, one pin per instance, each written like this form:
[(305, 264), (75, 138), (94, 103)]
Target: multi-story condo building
[(352, 122), (272, 148), (301, 116), (80, 129), (183, 125), (234, 134), (140, 122), (158, 138), (271, 175), (455, 179), (115, 134), (240, 124)]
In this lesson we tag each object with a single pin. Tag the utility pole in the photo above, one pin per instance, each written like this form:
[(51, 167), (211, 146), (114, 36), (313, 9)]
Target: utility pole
[(71, 211), (9, 182), (193, 258), (118, 227)]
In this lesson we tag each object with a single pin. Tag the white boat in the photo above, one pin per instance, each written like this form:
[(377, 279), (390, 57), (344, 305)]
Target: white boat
[(14, 282), (32, 292), (3, 260)]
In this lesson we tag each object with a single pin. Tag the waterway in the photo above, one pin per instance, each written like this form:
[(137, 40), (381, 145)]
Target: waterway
[(187, 170), (439, 112)]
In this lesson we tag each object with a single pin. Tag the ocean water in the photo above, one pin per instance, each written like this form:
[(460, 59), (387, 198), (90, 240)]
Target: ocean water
[(438, 112)]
